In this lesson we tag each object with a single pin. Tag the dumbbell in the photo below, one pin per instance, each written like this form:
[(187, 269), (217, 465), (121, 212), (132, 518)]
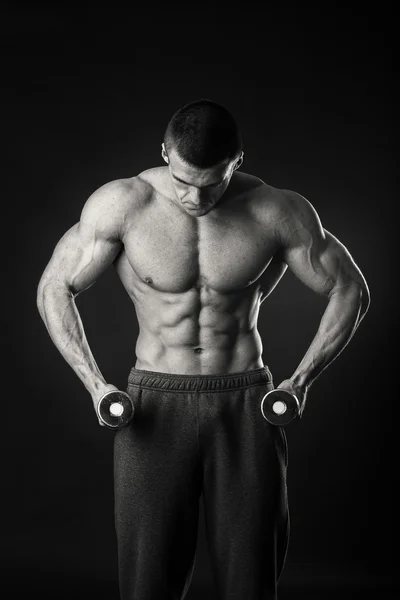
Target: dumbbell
[(279, 407), (115, 409)]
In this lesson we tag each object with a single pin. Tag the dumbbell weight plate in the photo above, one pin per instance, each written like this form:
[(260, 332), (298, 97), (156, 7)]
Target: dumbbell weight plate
[(279, 407), (115, 409)]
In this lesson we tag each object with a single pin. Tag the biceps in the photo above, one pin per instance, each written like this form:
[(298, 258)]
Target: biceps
[(79, 259), (324, 264)]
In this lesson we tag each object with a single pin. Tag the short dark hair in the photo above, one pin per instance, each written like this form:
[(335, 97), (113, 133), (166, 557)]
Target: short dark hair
[(203, 134)]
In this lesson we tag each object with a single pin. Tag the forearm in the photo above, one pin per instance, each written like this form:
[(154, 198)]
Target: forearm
[(346, 308), (58, 310)]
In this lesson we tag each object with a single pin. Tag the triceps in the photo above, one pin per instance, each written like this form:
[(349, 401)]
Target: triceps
[(340, 263)]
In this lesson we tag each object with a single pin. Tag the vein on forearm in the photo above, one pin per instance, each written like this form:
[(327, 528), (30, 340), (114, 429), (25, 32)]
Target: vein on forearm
[(66, 330), (337, 326)]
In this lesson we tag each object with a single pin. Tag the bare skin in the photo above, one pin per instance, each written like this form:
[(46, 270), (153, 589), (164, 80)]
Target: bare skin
[(198, 250)]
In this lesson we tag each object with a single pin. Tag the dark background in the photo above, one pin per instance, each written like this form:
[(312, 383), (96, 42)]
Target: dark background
[(86, 94)]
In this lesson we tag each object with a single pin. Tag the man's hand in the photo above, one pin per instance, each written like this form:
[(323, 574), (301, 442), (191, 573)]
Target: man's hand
[(299, 391), (96, 397)]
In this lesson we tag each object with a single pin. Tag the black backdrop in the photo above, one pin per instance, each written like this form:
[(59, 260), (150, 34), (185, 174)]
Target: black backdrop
[(86, 94)]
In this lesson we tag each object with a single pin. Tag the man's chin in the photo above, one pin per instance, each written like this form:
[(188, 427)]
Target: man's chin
[(198, 212)]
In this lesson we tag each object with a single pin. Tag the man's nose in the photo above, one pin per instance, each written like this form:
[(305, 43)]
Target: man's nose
[(197, 197)]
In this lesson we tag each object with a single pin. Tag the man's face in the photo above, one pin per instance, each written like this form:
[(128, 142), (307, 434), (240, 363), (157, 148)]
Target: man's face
[(198, 190)]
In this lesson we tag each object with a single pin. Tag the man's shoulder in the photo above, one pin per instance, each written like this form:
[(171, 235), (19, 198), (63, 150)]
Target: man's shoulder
[(246, 183), (269, 198), (119, 194), (287, 214), (134, 188), (155, 180), (276, 209), (262, 197), (255, 187)]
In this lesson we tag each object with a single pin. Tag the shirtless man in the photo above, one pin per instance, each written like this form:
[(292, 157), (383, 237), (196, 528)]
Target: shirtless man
[(198, 246)]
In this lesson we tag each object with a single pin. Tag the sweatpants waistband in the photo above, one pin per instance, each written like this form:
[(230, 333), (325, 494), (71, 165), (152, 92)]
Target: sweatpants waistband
[(199, 383)]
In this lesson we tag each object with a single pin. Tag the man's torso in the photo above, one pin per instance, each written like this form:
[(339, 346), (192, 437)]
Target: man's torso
[(197, 283)]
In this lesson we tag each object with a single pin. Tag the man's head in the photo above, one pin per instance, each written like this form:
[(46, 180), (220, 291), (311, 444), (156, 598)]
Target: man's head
[(202, 147)]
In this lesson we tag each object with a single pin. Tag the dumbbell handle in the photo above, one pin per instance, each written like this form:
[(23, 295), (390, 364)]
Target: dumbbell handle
[(116, 409)]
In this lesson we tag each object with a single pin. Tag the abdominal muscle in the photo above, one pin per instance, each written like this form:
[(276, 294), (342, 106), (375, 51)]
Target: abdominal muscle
[(198, 332), (208, 359)]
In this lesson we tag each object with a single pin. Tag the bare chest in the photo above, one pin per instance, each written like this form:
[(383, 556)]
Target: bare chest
[(173, 252)]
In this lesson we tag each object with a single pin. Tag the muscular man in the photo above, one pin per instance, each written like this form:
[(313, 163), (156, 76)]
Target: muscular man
[(198, 246)]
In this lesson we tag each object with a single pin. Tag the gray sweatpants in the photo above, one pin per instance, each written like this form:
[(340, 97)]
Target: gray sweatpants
[(193, 435)]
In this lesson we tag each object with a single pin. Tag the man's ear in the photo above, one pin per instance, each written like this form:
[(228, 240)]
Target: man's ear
[(164, 153), (239, 161)]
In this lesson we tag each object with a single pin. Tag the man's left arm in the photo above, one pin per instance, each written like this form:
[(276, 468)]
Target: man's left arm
[(324, 265)]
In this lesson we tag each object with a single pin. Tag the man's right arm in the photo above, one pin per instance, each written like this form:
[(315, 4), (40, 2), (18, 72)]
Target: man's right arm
[(83, 253)]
